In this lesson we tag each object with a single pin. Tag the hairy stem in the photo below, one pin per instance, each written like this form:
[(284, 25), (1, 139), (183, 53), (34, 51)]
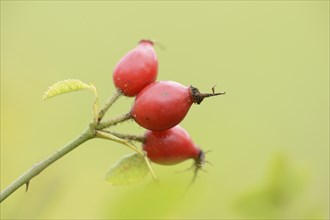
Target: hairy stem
[(40, 166), (108, 104), (104, 135), (114, 121), (129, 137)]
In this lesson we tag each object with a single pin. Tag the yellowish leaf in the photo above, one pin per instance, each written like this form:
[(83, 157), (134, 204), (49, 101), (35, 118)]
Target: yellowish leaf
[(128, 170), (66, 86)]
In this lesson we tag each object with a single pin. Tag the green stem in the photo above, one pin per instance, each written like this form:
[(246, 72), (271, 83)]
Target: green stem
[(130, 137), (114, 121), (109, 103), (39, 167)]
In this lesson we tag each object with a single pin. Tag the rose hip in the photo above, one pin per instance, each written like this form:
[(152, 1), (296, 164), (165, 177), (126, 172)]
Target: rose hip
[(164, 104), (171, 146), (137, 69)]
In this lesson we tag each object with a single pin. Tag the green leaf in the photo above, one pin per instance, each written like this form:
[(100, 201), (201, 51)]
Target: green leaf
[(128, 170), (66, 86)]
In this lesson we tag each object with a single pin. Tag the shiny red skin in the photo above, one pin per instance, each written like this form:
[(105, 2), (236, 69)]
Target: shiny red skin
[(161, 105), (170, 147), (137, 69)]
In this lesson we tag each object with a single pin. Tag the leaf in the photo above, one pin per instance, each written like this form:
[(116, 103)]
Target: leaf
[(128, 170), (66, 86)]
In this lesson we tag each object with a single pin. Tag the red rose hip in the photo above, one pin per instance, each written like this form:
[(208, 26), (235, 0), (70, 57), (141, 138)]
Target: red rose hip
[(164, 104), (171, 146), (137, 69)]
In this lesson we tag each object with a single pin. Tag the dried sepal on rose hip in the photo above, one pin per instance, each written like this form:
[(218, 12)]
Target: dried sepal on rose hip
[(164, 104), (171, 147), (136, 69)]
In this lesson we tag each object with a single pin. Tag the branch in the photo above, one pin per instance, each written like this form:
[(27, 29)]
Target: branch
[(39, 167)]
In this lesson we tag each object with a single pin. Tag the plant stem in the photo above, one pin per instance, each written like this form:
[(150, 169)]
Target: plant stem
[(104, 135), (109, 103), (114, 121), (130, 137), (39, 167)]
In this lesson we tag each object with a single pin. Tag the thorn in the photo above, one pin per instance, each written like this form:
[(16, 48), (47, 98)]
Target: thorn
[(213, 89), (27, 186)]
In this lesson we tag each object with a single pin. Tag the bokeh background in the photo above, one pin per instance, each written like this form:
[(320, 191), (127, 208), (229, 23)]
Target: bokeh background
[(269, 134)]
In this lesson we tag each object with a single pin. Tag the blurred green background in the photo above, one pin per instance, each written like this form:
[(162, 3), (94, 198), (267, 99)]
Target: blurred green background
[(269, 134)]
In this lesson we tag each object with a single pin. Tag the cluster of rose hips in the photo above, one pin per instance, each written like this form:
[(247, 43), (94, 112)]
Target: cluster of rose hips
[(159, 106)]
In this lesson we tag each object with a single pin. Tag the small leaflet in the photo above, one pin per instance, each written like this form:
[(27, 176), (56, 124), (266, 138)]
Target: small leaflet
[(128, 170), (66, 86)]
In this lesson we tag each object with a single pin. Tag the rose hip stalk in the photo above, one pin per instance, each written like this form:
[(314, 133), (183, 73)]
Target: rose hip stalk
[(164, 104), (137, 69)]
